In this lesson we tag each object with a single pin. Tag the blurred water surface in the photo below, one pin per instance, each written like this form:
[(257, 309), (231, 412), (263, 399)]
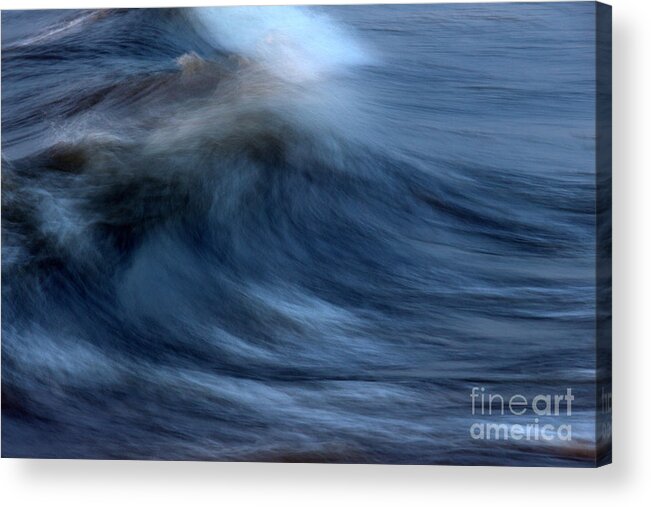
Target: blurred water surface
[(295, 234)]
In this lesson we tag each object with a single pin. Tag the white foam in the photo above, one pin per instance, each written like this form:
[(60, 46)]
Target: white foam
[(294, 43)]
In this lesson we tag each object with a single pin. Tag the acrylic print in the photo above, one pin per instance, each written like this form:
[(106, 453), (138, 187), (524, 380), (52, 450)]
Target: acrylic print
[(352, 234)]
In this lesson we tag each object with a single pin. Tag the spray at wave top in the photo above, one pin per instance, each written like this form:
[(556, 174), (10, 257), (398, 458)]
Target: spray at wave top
[(292, 43)]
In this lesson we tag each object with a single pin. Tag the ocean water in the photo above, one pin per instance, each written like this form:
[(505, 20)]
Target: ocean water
[(296, 233)]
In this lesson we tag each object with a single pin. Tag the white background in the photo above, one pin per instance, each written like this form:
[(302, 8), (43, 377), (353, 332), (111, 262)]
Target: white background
[(627, 481)]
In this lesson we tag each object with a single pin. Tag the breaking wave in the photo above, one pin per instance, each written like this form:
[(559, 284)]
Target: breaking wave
[(242, 234)]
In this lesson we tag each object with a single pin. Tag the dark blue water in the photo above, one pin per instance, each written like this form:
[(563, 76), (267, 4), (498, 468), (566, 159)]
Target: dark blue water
[(296, 234)]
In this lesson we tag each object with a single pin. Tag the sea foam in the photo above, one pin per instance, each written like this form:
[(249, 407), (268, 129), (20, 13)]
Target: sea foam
[(291, 42)]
